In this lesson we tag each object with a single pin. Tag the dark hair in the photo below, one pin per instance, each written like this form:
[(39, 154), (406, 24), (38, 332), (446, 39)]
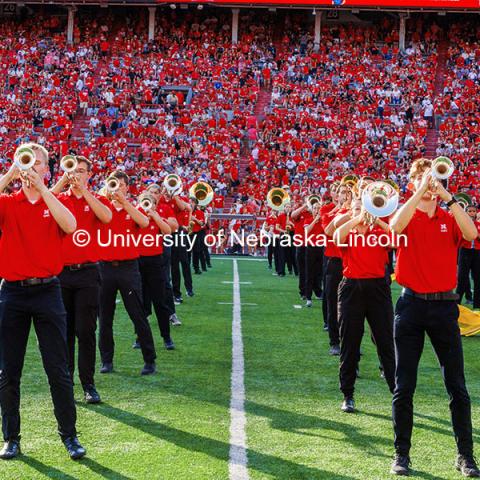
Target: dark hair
[(119, 175), (82, 159)]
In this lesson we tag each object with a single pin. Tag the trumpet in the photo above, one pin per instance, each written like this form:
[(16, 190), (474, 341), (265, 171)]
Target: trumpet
[(203, 192), (442, 168), (350, 180), (277, 199), (146, 201), (379, 199), (173, 184), (312, 200), (464, 200), (68, 163), (112, 185), (24, 158)]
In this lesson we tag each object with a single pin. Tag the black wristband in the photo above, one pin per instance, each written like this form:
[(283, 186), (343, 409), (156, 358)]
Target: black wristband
[(451, 202)]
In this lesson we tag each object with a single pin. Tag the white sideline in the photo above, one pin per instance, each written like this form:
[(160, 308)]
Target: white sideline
[(237, 464)]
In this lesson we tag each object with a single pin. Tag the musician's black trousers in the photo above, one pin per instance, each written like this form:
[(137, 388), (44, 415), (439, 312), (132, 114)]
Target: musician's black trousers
[(180, 258), (80, 293), (439, 320), (167, 267), (154, 290), (332, 280), (270, 255), (469, 261), (279, 257), (314, 271), (360, 299), (290, 258), (302, 269), (124, 278), (324, 283), (198, 253), (18, 307)]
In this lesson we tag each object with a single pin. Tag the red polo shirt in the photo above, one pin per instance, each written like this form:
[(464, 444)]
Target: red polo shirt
[(31, 241), (121, 247), (182, 216), (428, 262), (86, 220), (303, 219), (363, 257), (316, 237), (153, 244), (199, 215), (474, 243), (281, 221), (331, 250)]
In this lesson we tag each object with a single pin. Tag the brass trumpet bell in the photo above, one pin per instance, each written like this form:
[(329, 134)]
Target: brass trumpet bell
[(146, 201), (277, 199), (312, 200), (442, 168), (464, 200), (173, 184), (24, 158), (380, 199), (68, 163), (203, 192)]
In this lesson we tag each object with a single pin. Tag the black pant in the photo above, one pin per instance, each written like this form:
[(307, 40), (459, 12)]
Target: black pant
[(167, 267), (270, 255), (314, 271), (180, 257), (153, 287), (18, 307), (333, 279), (301, 264), (290, 260), (439, 320), (80, 293), (206, 253), (469, 261), (279, 257), (324, 283), (124, 278), (198, 255), (359, 299)]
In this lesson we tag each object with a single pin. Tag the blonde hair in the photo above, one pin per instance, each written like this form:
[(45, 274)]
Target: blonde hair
[(418, 167)]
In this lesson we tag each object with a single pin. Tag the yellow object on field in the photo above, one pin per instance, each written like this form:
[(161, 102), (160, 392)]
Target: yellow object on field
[(392, 276), (468, 321)]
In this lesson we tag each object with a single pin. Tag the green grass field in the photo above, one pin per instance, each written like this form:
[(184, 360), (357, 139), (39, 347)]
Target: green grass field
[(175, 425)]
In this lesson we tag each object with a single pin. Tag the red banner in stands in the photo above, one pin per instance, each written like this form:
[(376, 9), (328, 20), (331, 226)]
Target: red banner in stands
[(443, 4)]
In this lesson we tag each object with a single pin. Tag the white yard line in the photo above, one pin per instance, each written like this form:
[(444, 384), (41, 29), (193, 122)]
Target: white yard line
[(237, 465)]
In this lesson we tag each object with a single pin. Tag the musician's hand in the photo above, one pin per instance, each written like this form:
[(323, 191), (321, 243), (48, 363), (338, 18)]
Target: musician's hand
[(152, 213), (426, 182), (119, 197), (13, 172), (36, 181), (442, 192)]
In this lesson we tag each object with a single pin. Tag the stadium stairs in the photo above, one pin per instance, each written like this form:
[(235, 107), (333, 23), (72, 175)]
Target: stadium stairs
[(431, 141)]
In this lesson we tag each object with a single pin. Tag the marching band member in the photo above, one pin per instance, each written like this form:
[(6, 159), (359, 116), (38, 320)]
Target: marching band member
[(80, 277), (363, 293), (314, 253), (300, 217), (426, 268), (197, 232), (152, 264), (182, 209), (469, 262), (278, 249), (120, 272), (334, 266), (33, 223), (289, 250)]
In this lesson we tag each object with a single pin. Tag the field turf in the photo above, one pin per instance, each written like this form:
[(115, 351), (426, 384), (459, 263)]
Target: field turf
[(175, 425)]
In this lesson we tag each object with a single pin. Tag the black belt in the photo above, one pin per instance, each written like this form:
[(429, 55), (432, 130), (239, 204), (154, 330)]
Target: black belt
[(32, 282), (118, 263), (431, 296), (80, 266)]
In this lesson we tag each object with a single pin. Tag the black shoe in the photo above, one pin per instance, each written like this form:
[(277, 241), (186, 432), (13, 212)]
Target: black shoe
[(11, 449), (197, 272), (325, 327), (467, 465), (149, 369), (136, 345), (348, 405), (74, 449), (190, 293), (91, 394), (401, 465), (335, 350), (178, 300), (174, 320), (208, 265), (169, 345), (204, 270), (106, 368)]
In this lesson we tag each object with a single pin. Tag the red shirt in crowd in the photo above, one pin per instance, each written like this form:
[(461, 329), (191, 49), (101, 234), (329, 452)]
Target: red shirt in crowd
[(427, 259), (31, 241), (363, 257)]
